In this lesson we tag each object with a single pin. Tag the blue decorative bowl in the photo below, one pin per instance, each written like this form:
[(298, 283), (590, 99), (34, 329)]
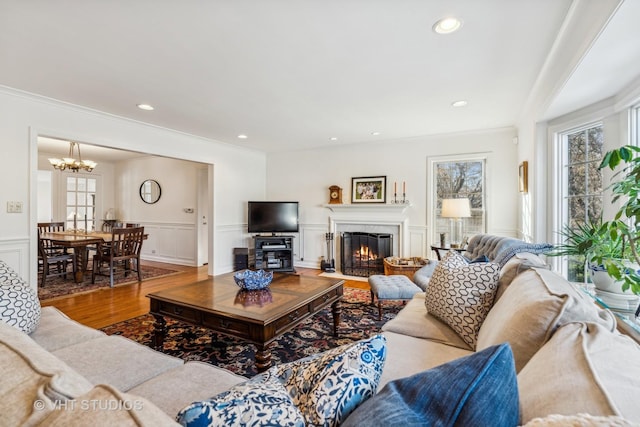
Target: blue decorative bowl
[(253, 279)]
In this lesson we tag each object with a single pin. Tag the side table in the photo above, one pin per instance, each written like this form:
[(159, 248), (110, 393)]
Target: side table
[(438, 249), (627, 322)]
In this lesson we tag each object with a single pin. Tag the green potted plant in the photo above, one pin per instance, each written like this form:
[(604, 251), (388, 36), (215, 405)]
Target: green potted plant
[(625, 225), (592, 244)]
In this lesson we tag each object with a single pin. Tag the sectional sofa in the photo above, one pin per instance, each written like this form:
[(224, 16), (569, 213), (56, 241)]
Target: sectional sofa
[(530, 341)]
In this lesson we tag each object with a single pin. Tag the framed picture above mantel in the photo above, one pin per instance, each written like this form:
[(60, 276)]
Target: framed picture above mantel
[(369, 189)]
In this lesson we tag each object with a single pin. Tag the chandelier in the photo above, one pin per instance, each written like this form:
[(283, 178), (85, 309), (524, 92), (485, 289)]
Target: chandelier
[(71, 163)]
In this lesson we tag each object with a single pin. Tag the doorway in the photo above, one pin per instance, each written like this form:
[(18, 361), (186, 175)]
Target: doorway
[(110, 165)]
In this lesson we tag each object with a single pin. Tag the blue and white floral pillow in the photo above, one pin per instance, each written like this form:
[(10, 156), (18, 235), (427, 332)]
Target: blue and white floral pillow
[(258, 402), (318, 390)]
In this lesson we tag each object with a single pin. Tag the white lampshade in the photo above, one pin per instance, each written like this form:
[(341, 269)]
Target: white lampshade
[(456, 208)]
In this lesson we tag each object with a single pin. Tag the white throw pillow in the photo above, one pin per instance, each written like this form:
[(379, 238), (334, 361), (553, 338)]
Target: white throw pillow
[(8, 276), (19, 307), (461, 294)]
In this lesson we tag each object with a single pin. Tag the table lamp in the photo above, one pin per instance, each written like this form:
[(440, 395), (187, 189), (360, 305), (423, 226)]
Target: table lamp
[(456, 209)]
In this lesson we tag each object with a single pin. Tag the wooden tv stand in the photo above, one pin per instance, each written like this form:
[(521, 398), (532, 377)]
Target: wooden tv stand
[(273, 253)]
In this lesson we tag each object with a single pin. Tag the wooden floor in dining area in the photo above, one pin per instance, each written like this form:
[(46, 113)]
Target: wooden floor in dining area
[(107, 306)]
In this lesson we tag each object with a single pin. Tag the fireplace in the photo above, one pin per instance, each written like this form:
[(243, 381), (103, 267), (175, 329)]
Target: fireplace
[(362, 253)]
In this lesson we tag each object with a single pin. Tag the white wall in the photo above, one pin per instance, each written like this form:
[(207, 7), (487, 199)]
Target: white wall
[(45, 196), (238, 174), (306, 175), (172, 231)]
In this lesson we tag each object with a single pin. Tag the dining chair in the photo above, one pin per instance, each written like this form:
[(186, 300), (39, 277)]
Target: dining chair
[(52, 227), (123, 250), (53, 261)]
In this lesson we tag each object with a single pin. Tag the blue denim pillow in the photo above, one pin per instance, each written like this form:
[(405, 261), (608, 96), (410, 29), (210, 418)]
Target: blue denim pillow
[(481, 258), (476, 390)]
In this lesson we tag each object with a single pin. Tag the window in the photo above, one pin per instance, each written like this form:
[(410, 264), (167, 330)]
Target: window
[(458, 178), (635, 126), (581, 151), (81, 202)]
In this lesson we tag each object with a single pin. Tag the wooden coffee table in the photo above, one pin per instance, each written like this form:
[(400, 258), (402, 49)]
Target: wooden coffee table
[(258, 316)]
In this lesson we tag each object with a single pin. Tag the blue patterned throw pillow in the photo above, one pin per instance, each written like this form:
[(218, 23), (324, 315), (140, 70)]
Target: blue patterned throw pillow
[(476, 390), (318, 390), (257, 402)]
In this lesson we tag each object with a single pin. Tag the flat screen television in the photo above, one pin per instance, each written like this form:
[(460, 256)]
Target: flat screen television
[(273, 217)]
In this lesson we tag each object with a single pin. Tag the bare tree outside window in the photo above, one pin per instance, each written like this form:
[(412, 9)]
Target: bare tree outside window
[(582, 186), (460, 179)]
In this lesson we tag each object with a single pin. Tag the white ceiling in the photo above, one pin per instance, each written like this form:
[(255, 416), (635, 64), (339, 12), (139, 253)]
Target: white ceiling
[(291, 74)]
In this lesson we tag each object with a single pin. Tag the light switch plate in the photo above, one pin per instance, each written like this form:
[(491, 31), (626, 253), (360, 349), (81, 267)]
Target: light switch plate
[(14, 207)]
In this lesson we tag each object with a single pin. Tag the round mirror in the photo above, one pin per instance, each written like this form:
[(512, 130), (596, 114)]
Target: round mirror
[(150, 191)]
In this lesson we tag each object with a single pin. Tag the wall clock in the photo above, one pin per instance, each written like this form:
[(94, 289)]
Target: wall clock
[(335, 195)]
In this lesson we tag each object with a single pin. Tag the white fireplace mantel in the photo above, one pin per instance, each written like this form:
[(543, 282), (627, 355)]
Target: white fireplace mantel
[(367, 207), (372, 215)]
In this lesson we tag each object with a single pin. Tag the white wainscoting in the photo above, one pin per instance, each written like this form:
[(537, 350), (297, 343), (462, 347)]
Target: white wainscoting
[(228, 237), (418, 241), (172, 243), (313, 245), (15, 252)]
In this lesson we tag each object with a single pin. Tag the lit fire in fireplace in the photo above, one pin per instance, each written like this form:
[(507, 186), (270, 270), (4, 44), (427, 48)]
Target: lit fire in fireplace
[(362, 253), (365, 255)]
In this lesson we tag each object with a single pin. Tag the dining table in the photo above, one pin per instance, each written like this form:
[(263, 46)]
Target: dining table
[(79, 241)]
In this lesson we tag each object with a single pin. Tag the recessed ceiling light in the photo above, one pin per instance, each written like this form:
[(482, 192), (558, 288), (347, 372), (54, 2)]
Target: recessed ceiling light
[(460, 103), (447, 25), (242, 136), (375, 133), (145, 107), (333, 138)]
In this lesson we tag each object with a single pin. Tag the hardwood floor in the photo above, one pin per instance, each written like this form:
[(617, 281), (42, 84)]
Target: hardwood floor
[(111, 305)]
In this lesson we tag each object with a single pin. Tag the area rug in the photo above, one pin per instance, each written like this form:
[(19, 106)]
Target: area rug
[(313, 335), (57, 287)]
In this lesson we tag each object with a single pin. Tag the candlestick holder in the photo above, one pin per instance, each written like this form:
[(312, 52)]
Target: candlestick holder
[(395, 200)]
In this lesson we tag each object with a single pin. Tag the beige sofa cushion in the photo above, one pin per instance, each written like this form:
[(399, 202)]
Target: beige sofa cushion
[(56, 330), (519, 263), (408, 355), (30, 374), (106, 406), (415, 321), (193, 381), (536, 303), (586, 357), (579, 420), (116, 361)]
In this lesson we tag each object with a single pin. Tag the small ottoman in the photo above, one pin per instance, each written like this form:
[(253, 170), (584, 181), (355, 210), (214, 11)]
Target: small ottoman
[(395, 287)]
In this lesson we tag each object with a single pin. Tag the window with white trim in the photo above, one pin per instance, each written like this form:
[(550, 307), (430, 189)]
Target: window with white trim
[(458, 177), (581, 186), (80, 202)]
